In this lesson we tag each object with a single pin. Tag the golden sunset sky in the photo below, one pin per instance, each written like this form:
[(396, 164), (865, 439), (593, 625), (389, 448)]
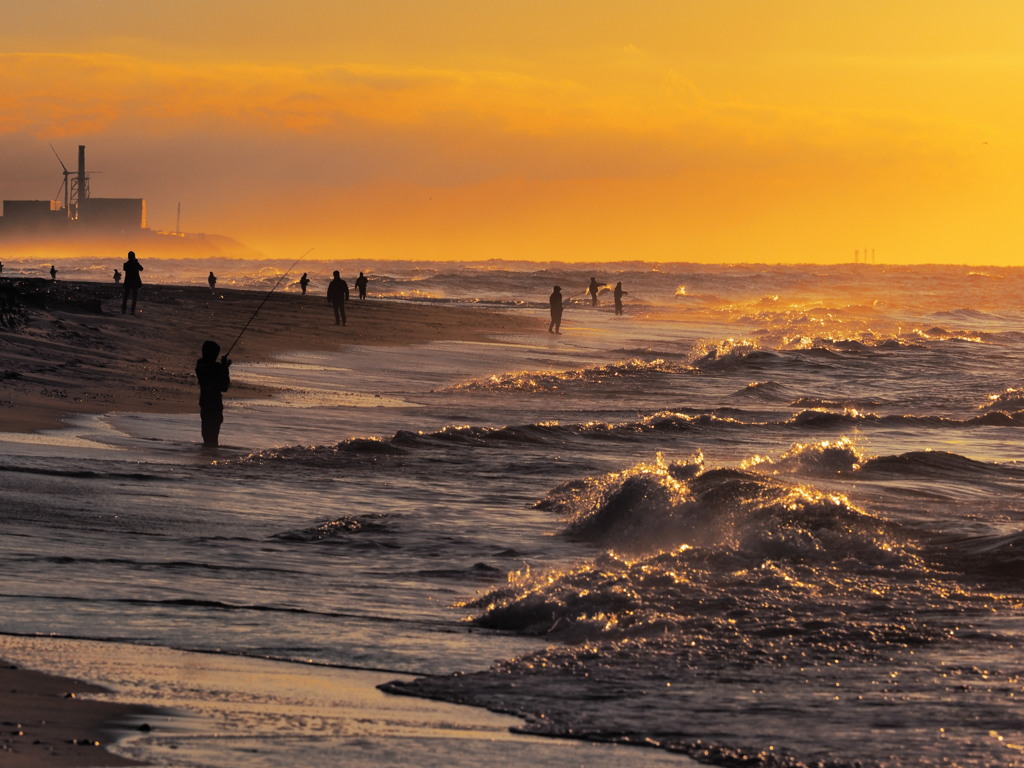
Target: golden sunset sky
[(662, 130)]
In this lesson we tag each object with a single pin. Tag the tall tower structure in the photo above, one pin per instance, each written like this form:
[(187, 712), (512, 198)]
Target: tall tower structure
[(79, 186)]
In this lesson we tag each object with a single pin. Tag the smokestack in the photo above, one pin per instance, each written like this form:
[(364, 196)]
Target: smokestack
[(83, 187)]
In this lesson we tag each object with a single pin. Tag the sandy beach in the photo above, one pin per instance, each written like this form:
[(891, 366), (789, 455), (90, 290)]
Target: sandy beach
[(72, 351), (66, 348), (45, 722)]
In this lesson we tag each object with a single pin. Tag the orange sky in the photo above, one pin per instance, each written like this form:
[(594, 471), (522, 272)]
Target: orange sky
[(663, 130)]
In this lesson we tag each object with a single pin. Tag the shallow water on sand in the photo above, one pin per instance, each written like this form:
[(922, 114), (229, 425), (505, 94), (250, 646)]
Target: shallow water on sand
[(769, 516)]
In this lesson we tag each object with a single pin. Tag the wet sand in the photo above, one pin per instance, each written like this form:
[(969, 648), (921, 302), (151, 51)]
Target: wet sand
[(44, 722), (186, 708), (72, 351)]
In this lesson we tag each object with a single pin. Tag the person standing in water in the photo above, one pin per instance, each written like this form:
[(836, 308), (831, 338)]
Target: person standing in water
[(619, 293), (592, 289), (214, 379), (53, 271), (555, 302), (337, 295), (361, 282), (132, 281), (212, 280), (117, 275), (303, 282)]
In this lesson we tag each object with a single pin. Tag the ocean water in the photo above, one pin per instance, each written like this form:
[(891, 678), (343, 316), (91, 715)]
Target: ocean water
[(771, 515)]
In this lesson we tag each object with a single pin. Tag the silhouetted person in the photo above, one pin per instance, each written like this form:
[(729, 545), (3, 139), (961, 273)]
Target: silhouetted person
[(53, 272), (1, 267), (361, 282), (592, 289), (555, 301), (619, 293), (212, 280), (132, 281), (303, 282), (117, 275), (337, 295), (214, 378)]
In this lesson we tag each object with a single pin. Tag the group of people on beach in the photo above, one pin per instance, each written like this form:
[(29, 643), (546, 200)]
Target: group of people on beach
[(338, 293), (214, 375), (555, 301)]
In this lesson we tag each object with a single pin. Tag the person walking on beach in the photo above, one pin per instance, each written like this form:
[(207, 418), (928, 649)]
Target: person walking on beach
[(619, 293), (303, 282), (132, 281), (337, 295), (592, 289), (555, 302), (212, 280), (53, 272), (214, 379), (361, 282), (117, 275)]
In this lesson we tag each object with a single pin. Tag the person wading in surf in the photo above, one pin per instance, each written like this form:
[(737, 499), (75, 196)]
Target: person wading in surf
[(619, 293), (555, 302), (214, 379)]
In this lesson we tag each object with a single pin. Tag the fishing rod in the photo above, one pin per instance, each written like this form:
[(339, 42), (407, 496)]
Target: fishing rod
[(253, 317)]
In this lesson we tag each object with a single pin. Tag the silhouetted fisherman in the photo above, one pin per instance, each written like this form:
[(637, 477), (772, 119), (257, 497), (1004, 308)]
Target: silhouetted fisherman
[(53, 272), (592, 289), (212, 280), (337, 295), (361, 282), (214, 379), (1, 267), (117, 275), (132, 281), (619, 293), (303, 282), (555, 302)]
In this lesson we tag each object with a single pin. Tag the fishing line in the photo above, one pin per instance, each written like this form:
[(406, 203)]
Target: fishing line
[(282, 277)]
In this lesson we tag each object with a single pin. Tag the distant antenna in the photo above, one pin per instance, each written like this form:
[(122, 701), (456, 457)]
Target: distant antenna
[(177, 227)]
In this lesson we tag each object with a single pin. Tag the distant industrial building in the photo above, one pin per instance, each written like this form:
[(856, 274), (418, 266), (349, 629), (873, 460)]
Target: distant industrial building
[(78, 214)]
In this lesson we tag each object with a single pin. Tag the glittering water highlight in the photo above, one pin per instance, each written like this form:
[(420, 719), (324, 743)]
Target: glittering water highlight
[(771, 516)]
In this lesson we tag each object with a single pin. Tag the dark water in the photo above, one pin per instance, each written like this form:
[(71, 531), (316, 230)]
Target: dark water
[(770, 516)]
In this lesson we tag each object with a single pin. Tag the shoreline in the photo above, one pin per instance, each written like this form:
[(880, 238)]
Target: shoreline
[(45, 723), (73, 351), (171, 707)]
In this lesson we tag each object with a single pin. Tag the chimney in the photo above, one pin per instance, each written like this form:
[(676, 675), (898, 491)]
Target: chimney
[(83, 187)]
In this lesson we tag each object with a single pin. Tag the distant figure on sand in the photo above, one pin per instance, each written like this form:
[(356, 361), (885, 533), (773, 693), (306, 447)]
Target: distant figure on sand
[(1, 267), (132, 281), (592, 289), (117, 275), (214, 379), (212, 280), (337, 295), (555, 326), (361, 282), (53, 272), (303, 282), (619, 293)]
